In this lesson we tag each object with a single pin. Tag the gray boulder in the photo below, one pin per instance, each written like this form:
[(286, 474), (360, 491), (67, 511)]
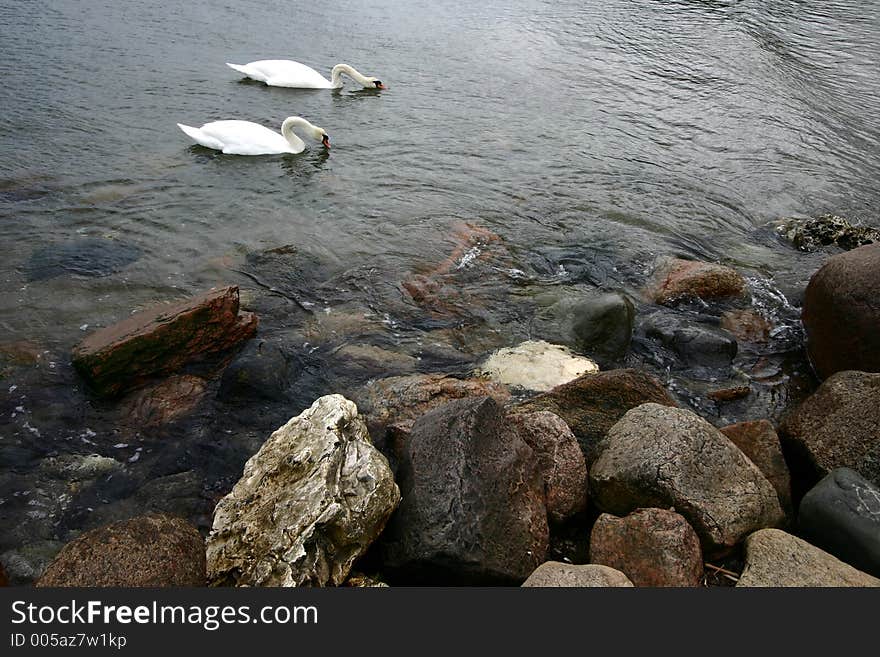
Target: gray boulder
[(657, 456), (841, 515), (309, 503), (473, 500)]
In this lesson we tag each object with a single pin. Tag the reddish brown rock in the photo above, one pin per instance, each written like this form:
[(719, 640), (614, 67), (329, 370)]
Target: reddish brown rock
[(842, 313), (147, 551), (729, 394), (837, 426), (653, 547), (560, 460), (166, 401), (758, 441), (676, 279), (746, 325), (160, 340), (592, 404)]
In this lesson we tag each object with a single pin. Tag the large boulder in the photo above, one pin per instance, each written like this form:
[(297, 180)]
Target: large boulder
[(653, 547), (558, 574), (675, 279), (592, 404), (758, 440), (560, 459), (841, 515), (841, 313), (309, 503), (774, 558), (837, 426), (473, 500), (150, 550), (535, 365), (162, 339), (657, 456)]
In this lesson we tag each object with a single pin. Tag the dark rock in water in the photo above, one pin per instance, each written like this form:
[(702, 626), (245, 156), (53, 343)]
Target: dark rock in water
[(147, 551), (472, 509), (555, 574), (812, 234), (842, 313), (841, 515), (676, 280), (758, 441), (657, 456), (698, 345), (837, 426), (162, 339), (560, 459), (653, 547), (260, 371), (86, 257), (592, 404), (599, 326)]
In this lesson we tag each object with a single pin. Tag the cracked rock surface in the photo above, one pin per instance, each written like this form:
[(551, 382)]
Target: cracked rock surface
[(657, 456), (309, 503)]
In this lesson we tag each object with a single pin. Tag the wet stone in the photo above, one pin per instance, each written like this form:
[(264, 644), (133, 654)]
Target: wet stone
[(87, 257)]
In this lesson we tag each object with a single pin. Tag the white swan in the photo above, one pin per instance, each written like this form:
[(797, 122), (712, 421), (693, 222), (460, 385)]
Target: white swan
[(246, 138), (287, 73)]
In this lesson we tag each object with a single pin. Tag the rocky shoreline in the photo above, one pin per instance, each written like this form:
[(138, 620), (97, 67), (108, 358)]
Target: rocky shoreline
[(673, 437)]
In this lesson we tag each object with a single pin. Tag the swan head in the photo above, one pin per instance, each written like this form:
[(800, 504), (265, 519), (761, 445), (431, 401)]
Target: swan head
[(319, 134), (374, 83)]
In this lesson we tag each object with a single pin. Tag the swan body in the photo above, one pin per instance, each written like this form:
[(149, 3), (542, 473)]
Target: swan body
[(246, 138), (287, 73)]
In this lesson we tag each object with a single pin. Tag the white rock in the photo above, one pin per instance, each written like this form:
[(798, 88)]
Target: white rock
[(308, 504), (536, 365)]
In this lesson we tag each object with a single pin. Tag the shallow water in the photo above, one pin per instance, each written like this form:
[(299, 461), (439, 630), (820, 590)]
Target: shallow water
[(521, 146)]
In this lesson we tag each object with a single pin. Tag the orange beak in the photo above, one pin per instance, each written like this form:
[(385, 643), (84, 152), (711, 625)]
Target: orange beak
[(381, 86), (326, 141)]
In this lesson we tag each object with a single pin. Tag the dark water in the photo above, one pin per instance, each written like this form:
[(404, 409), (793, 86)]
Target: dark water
[(521, 146)]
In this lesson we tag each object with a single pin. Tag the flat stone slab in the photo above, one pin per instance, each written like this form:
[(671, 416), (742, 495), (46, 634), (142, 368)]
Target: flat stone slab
[(161, 339), (536, 365)]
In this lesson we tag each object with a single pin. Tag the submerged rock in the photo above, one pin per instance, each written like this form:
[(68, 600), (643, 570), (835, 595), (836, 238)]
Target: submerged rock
[(653, 547), (164, 402), (535, 365), (599, 325), (657, 456), (558, 574), (811, 234), (308, 504), (162, 339), (473, 500), (675, 280), (560, 459), (261, 371), (746, 325), (774, 558), (841, 514), (837, 426), (842, 312), (150, 550), (591, 404), (696, 344), (86, 257)]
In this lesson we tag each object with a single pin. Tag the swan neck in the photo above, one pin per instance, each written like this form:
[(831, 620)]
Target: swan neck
[(344, 69), (287, 131)]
